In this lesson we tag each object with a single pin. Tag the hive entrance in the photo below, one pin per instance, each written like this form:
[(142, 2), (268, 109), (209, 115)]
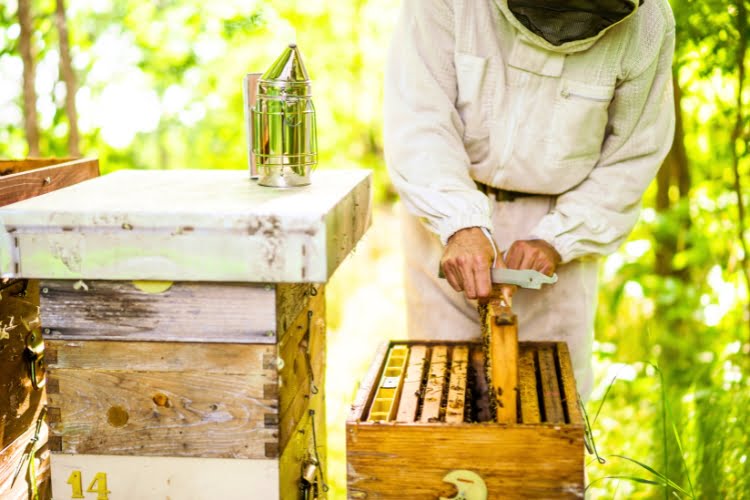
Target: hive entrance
[(423, 383)]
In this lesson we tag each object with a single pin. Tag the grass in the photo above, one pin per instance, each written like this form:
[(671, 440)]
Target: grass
[(654, 477), (702, 455)]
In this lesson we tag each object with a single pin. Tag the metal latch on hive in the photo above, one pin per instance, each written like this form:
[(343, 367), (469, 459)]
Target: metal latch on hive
[(34, 356)]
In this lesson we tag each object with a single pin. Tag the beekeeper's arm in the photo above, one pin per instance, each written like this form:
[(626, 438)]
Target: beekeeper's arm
[(596, 216), (423, 143)]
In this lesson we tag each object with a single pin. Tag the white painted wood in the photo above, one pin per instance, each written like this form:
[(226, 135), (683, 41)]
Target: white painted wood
[(190, 225), (161, 478)]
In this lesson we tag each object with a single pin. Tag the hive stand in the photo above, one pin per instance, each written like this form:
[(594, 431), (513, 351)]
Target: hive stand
[(184, 317)]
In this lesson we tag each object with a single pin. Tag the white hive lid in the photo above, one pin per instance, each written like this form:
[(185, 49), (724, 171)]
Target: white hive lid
[(191, 225)]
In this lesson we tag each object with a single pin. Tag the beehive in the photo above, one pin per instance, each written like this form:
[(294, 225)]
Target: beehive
[(423, 411), (183, 314)]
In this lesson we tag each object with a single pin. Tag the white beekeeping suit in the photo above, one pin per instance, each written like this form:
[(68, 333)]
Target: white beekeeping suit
[(569, 100)]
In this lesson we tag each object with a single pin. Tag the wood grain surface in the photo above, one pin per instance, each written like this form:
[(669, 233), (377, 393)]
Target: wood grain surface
[(553, 410), (302, 353), (503, 327), (365, 393), (569, 391), (8, 167), (125, 398), (13, 458), (409, 403), (527, 387), (291, 299), (398, 461), (186, 312), (435, 383), (515, 460), (347, 224), (23, 179), (229, 359), (454, 411), (20, 403)]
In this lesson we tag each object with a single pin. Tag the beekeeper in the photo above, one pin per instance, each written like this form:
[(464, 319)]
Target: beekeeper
[(535, 125)]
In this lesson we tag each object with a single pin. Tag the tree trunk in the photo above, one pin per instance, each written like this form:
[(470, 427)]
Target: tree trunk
[(69, 77), (30, 118), (680, 170), (673, 172)]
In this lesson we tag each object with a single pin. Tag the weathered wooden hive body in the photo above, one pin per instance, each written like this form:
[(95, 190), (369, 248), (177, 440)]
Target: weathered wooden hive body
[(423, 412), (184, 320)]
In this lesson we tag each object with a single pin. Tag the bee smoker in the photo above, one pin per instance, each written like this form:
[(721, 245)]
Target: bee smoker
[(282, 135)]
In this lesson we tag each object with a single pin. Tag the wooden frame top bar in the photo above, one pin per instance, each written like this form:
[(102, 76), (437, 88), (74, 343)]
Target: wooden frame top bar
[(559, 405), (190, 225)]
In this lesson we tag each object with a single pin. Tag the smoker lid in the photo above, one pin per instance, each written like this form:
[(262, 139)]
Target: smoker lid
[(288, 68)]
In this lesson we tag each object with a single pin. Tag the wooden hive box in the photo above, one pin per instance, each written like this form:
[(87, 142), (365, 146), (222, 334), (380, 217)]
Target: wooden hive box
[(184, 319), (21, 400), (178, 381), (422, 412)]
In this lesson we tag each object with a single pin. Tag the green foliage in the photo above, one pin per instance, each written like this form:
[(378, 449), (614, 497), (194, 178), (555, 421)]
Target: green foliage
[(160, 87)]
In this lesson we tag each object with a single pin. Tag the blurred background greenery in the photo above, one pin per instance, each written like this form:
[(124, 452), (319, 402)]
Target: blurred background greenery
[(158, 86)]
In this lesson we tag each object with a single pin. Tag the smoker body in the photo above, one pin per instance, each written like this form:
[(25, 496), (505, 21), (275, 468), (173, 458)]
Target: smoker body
[(283, 130)]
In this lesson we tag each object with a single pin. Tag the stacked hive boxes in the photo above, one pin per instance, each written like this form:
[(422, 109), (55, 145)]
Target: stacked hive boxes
[(184, 316)]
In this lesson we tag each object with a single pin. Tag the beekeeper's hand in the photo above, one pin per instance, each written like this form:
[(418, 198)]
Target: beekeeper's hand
[(466, 262), (533, 254)]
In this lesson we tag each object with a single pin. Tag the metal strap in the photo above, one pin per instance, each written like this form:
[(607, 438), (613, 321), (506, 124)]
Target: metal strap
[(314, 390)]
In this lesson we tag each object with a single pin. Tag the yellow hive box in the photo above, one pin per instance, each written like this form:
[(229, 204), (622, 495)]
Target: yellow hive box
[(422, 417)]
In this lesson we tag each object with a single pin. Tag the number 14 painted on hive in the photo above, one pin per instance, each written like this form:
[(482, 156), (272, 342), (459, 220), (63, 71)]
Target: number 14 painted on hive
[(98, 485)]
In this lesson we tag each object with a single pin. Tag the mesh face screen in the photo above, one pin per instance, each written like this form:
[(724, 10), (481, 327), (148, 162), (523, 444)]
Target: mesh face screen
[(561, 21)]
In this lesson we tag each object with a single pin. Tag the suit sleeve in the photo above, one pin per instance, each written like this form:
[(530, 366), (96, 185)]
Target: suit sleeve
[(424, 149)]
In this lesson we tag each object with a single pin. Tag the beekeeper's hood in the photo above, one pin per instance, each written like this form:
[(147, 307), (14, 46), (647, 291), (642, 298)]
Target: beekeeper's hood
[(566, 25)]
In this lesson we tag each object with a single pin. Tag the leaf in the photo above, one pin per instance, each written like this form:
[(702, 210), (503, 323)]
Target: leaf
[(634, 479), (665, 480)]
